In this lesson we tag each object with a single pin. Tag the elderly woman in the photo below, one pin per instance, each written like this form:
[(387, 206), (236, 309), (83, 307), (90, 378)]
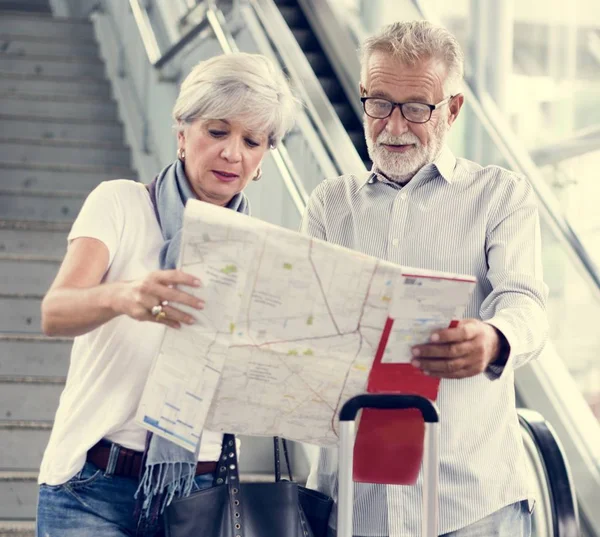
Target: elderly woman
[(117, 291)]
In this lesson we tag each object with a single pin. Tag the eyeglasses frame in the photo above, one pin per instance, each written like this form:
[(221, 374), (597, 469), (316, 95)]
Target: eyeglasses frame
[(431, 107)]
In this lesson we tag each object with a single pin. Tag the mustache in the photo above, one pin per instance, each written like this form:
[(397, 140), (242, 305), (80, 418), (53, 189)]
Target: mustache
[(405, 139)]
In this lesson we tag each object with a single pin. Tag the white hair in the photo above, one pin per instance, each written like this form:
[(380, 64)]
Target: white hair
[(416, 41), (242, 87)]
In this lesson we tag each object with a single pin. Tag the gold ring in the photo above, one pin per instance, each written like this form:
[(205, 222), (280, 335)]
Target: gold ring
[(160, 315)]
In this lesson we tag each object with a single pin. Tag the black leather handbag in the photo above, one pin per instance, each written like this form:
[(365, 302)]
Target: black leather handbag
[(234, 509)]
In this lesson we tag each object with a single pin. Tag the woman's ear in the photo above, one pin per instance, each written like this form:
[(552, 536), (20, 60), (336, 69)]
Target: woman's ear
[(180, 139)]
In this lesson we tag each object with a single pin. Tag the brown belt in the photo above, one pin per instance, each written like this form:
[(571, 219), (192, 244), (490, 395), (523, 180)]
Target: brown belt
[(129, 462)]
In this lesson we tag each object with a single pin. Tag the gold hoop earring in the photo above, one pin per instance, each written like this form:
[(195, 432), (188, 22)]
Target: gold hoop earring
[(181, 154), (258, 175)]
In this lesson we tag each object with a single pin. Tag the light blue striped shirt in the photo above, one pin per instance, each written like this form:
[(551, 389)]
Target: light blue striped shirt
[(454, 216)]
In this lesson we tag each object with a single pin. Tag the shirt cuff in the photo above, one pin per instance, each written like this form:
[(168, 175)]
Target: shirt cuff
[(495, 369)]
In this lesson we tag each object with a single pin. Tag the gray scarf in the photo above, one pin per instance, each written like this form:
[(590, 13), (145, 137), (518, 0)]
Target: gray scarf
[(169, 470)]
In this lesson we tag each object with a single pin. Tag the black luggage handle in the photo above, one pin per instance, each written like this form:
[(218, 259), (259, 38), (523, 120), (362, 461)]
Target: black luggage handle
[(391, 402)]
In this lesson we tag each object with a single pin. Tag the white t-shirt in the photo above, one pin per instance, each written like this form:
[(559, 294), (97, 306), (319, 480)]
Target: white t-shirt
[(109, 365)]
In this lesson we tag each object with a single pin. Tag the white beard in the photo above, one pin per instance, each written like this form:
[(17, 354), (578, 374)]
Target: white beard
[(402, 167)]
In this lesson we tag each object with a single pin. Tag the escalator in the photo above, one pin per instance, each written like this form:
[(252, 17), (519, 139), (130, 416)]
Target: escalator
[(298, 23), (555, 512)]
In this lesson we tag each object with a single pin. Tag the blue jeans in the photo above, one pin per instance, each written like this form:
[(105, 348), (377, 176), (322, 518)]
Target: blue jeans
[(511, 521), (95, 503)]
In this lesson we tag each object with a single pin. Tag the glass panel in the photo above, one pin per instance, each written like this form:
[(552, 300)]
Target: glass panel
[(573, 309), (575, 182), (554, 80)]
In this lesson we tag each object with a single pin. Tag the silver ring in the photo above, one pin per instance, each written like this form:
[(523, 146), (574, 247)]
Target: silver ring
[(164, 303), (156, 310)]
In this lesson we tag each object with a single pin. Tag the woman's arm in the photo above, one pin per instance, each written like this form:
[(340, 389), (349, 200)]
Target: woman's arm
[(78, 301)]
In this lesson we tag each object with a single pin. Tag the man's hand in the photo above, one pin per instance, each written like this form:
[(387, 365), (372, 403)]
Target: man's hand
[(460, 352)]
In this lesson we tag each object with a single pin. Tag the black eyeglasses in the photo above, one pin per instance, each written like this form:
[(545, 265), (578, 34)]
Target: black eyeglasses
[(379, 108)]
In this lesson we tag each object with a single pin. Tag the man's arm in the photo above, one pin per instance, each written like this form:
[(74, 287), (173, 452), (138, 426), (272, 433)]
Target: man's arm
[(513, 326), (313, 223), (516, 305)]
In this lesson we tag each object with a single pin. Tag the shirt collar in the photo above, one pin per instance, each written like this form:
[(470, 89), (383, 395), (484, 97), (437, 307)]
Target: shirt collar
[(444, 163)]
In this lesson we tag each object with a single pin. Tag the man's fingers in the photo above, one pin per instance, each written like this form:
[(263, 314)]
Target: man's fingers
[(443, 350), (465, 330), (458, 373), (440, 367)]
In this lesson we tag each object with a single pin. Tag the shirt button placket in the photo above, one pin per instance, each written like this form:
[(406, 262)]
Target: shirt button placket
[(397, 226)]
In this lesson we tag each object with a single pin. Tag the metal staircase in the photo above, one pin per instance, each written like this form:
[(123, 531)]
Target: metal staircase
[(60, 136)]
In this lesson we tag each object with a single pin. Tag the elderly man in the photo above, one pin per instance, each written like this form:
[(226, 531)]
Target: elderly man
[(421, 206)]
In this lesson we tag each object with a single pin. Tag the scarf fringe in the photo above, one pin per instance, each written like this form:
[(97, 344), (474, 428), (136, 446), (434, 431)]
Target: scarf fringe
[(161, 483)]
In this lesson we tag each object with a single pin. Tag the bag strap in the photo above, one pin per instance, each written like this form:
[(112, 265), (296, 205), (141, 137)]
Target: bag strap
[(287, 458), (228, 472), (277, 458), (304, 524)]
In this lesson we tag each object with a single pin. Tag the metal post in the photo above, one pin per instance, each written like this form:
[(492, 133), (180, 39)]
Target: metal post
[(430, 480), (500, 26), (345, 483)]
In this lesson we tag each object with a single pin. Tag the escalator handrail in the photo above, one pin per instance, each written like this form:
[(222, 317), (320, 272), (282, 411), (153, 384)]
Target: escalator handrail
[(284, 164), (565, 517), (334, 136)]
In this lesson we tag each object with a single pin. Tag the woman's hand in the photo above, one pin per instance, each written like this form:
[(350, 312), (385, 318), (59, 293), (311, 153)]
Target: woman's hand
[(137, 298), (79, 300)]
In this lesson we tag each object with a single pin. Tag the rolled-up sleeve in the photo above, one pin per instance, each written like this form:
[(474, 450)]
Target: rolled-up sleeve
[(516, 305)]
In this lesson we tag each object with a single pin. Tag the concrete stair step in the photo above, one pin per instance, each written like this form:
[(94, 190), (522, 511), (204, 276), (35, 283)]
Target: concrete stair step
[(18, 238), (46, 26), (18, 492), (57, 129), (36, 6), (22, 444), (12, 83), (88, 109), (20, 313), (40, 205), (63, 152), (18, 175), (52, 65), (29, 398), (27, 274), (24, 45), (17, 528), (34, 356)]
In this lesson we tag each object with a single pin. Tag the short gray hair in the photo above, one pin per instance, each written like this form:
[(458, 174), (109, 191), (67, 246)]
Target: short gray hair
[(415, 41), (241, 87)]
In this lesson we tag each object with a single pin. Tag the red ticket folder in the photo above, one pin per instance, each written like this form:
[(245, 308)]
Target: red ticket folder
[(389, 443)]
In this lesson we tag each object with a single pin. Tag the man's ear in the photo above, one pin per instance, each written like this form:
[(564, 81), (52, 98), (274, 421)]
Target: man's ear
[(455, 106), (362, 90)]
